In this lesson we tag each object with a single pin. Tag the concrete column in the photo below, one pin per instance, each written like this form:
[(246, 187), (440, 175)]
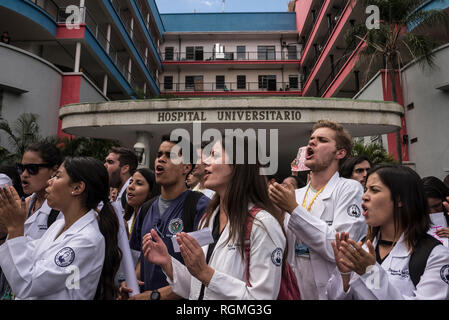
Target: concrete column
[(132, 28), (129, 69), (148, 21), (105, 84), (145, 139), (77, 57), (146, 56), (108, 37)]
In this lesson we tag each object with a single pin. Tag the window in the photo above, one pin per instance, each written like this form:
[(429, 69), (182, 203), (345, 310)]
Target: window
[(190, 53), (267, 82), (241, 52), (293, 81), (194, 83), (169, 51), (220, 82), (194, 53), (241, 82), (168, 82), (292, 53), (266, 52)]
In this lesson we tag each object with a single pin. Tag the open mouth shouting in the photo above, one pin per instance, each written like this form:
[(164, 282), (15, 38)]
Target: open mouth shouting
[(309, 153), (159, 170)]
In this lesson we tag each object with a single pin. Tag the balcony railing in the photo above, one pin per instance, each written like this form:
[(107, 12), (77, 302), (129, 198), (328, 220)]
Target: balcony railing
[(306, 38), (48, 6), (239, 56), (134, 34), (229, 87)]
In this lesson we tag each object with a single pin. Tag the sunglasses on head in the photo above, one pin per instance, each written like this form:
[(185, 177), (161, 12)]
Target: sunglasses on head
[(32, 168)]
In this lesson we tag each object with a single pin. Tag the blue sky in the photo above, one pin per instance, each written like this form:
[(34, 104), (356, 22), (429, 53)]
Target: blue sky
[(187, 6)]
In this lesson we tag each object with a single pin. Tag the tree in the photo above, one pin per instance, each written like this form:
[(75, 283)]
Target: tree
[(85, 147), (393, 43), (24, 132), (374, 151)]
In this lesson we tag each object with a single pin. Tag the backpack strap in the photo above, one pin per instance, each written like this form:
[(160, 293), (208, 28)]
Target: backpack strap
[(418, 259), (144, 209), (249, 226), (52, 217), (189, 210)]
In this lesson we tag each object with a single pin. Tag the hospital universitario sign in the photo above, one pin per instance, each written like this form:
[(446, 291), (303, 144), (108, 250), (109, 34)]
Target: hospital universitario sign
[(228, 116)]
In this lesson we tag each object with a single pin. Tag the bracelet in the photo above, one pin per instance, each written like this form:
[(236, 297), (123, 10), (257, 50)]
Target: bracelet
[(346, 273)]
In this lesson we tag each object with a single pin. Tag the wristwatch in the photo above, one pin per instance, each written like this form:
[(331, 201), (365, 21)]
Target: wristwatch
[(155, 295)]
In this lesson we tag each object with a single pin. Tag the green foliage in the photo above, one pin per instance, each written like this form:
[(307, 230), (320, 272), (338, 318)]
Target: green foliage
[(86, 147), (391, 41), (24, 131), (374, 151)]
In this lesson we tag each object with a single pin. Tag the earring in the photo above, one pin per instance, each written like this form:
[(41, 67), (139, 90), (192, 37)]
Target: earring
[(73, 192)]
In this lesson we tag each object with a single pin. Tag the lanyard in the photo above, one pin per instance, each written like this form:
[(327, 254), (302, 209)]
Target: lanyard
[(313, 199)]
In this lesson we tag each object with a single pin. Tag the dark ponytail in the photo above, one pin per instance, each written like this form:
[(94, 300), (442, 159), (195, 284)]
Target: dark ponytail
[(109, 227), (95, 176)]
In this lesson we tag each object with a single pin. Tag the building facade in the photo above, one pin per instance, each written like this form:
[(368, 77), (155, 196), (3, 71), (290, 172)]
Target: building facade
[(86, 67)]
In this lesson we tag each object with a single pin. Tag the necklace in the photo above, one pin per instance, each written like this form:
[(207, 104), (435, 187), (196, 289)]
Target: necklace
[(313, 199)]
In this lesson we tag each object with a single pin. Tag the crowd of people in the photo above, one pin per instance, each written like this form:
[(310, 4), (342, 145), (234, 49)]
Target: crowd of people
[(344, 229)]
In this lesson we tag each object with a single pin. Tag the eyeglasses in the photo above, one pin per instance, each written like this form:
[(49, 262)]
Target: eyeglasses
[(32, 168)]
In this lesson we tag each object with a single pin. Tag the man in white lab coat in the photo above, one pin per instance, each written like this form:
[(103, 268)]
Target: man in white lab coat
[(328, 204)]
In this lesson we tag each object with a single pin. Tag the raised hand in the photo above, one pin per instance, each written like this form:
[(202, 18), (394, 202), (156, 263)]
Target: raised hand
[(283, 196), (338, 254), (357, 259), (155, 249), (194, 258), (13, 211)]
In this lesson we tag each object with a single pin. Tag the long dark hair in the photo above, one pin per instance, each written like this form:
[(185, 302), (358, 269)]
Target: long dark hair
[(47, 151), (407, 188), (248, 185), (154, 190), (95, 176)]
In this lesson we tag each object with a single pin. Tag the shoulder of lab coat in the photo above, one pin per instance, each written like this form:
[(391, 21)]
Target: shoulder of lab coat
[(339, 194), (30, 266)]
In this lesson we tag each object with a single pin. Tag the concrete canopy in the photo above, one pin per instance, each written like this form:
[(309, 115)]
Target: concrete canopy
[(293, 117)]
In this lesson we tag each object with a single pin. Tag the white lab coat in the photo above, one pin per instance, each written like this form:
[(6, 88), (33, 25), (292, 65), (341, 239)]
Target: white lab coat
[(228, 281), (330, 213), (47, 268), (391, 280), (36, 225)]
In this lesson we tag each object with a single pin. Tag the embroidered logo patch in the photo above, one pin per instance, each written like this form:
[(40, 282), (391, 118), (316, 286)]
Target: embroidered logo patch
[(175, 226), (444, 273), (276, 257), (65, 257), (354, 211)]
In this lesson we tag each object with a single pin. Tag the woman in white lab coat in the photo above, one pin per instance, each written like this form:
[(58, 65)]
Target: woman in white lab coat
[(395, 210), (39, 162), (217, 271), (78, 256), (436, 193)]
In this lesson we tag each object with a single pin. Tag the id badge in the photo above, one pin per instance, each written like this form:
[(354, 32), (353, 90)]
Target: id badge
[(302, 250)]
